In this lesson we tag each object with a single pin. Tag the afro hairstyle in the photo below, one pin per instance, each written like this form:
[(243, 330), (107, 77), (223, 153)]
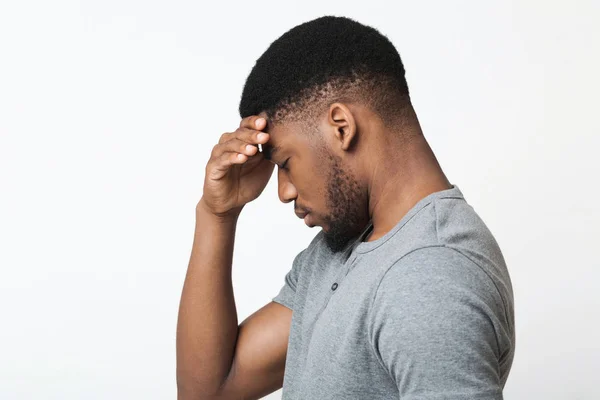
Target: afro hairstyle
[(322, 61)]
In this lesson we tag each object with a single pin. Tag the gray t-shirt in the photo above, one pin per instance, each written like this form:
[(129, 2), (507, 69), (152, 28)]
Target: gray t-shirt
[(424, 312)]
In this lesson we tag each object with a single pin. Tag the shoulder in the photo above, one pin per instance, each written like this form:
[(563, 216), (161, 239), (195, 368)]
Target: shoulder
[(441, 267), (436, 281)]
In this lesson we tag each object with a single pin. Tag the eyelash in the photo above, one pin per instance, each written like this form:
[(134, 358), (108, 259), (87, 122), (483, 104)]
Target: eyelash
[(283, 166)]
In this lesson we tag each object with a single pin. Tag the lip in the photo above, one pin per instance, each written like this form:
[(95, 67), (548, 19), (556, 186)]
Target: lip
[(301, 215), (308, 220)]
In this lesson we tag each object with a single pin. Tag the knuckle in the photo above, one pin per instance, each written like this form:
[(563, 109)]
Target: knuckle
[(245, 121), (225, 159), (249, 121), (213, 152), (244, 133), (225, 137), (218, 150), (233, 144)]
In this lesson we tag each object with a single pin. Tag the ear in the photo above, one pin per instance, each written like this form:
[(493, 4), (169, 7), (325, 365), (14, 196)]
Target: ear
[(342, 122)]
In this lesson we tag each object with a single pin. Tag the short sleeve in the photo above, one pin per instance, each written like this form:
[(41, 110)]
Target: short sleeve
[(287, 293), (433, 326)]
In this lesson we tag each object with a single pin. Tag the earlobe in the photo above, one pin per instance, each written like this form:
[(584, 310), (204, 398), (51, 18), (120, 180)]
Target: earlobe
[(348, 138), (341, 117), (347, 134)]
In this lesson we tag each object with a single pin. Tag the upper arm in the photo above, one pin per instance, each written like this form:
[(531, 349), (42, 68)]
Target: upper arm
[(431, 325), (259, 359), (260, 352)]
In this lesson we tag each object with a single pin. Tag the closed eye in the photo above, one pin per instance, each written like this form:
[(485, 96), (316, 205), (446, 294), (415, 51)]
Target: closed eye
[(283, 166)]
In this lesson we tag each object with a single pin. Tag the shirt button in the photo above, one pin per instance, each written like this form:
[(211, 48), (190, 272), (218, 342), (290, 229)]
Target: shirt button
[(334, 286)]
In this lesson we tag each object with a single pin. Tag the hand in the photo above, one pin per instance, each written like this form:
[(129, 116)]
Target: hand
[(237, 172)]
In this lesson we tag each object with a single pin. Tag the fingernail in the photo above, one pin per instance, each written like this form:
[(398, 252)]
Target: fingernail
[(261, 136), (259, 122)]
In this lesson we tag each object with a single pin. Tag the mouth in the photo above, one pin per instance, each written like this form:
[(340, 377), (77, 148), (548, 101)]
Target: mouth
[(308, 220), (301, 215)]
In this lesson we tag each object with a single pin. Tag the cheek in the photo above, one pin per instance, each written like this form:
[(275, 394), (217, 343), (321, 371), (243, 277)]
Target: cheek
[(311, 182), (313, 189)]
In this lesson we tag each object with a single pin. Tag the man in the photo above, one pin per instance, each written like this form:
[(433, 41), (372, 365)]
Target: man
[(404, 293)]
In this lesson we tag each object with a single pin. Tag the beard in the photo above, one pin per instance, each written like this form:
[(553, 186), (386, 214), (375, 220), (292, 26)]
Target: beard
[(348, 209)]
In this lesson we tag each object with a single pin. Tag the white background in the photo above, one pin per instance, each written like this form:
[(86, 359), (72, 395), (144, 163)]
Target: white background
[(108, 113)]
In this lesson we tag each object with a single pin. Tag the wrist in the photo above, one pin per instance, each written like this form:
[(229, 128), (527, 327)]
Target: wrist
[(203, 211)]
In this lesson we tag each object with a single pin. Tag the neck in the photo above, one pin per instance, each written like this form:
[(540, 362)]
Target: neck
[(398, 182)]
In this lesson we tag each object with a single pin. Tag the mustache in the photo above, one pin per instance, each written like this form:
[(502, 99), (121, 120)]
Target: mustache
[(300, 209)]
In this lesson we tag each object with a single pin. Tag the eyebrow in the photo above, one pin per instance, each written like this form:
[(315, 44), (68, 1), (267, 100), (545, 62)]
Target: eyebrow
[(269, 151)]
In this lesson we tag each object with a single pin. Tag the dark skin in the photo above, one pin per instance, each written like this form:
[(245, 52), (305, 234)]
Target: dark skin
[(321, 187), (360, 171), (354, 171)]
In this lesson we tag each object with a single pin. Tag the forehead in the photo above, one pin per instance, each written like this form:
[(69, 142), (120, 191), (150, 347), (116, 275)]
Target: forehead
[(281, 137), (270, 151)]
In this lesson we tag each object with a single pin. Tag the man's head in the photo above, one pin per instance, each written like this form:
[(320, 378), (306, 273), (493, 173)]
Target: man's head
[(328, 88)]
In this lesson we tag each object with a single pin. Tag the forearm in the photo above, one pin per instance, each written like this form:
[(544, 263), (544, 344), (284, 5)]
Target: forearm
[(207, 325)]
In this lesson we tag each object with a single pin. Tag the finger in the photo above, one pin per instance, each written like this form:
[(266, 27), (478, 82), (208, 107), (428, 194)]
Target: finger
[(252, 136), (239, 146), (254, 122), (247, 136), (228, 159), (225, 137), (218, 167)]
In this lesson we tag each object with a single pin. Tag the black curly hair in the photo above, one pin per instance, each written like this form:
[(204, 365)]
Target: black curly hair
[(325, 60)]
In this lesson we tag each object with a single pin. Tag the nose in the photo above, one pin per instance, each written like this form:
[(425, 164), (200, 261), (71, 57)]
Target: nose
[(286, 190)]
